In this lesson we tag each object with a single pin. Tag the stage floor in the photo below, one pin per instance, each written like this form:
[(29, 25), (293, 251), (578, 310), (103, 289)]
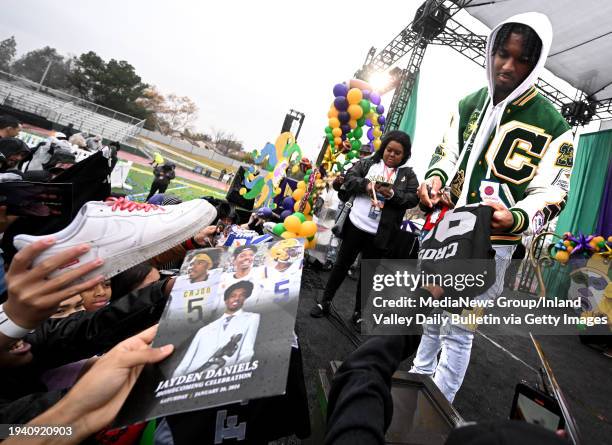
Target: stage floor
[(497, 364)]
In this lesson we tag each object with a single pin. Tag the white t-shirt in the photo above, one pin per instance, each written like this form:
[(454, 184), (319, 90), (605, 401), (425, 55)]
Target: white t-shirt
[(362, 203)]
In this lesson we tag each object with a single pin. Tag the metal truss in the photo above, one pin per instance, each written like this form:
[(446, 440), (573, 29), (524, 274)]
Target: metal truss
[(402, 93), (462, 40)]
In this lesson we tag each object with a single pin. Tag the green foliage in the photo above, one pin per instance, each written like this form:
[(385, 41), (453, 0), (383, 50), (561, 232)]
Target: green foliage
[(114, 84), (8, 49), (33, 64)]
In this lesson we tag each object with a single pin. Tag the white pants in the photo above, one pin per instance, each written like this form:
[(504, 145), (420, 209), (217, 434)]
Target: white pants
[(455, 341)]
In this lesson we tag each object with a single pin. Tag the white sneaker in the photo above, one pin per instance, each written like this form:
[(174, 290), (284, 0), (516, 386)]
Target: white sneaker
[(125, 233)]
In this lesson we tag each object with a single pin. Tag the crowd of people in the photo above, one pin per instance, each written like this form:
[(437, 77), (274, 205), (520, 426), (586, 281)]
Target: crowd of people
[(75, 334)]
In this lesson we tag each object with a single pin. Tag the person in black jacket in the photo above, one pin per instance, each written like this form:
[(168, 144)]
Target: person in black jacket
[(32, 297), (383, 187), (162, 175)]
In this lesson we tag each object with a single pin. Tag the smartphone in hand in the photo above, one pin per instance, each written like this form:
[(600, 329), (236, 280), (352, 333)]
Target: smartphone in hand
[(24, 198)]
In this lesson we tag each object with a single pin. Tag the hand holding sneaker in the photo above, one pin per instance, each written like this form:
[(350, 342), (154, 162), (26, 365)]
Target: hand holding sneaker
[(32, 296)]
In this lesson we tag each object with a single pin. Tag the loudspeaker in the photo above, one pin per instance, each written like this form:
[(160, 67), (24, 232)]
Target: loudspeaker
[(233, 194)]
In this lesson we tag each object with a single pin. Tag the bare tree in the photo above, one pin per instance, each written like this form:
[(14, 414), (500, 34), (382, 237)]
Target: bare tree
[(226, 142), (180, 112)]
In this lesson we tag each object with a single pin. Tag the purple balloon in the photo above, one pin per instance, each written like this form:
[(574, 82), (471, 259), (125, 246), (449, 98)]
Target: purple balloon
[(340, 103), (345, 128), (340, 89), (344, 117), (286, 213), (368, 122), (366, 94), (380, 109), (370, 134), (381, 120), (288, 203), (375, 98)]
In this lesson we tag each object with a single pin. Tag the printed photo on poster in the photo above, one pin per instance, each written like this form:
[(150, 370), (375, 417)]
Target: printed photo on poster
[(231, 318)]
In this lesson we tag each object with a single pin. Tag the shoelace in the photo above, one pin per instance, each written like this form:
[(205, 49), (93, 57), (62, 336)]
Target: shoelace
[(130, 206)]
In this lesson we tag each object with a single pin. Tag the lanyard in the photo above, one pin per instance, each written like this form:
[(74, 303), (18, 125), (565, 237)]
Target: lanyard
[(391, 173)]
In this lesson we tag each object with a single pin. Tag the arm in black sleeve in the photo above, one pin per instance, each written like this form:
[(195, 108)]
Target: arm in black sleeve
[(360, 406), (28, 407), (405, 194), (354, 182), (84, 334)]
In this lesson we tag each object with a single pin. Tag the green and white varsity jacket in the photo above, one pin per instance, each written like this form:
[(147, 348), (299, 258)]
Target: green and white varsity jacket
[(522, 143)]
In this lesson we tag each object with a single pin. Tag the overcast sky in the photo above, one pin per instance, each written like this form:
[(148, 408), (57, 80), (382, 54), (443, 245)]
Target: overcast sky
[(246, 63)]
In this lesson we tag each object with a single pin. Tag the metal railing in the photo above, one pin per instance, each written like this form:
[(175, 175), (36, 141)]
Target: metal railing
[(63, 108)]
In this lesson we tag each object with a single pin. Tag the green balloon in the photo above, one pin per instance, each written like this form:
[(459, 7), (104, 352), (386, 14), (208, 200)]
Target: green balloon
[(309, 171), (361, 121), (358, 132), (300, 216), (365, 105), (328, 130), (356, 145), (278, 229), (306, 178), (330, 138)]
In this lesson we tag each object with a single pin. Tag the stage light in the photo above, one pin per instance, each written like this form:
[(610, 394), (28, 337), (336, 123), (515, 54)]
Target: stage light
[(380, 81)]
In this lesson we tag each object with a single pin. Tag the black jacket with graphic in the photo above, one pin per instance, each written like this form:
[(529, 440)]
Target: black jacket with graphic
[(404, 197)]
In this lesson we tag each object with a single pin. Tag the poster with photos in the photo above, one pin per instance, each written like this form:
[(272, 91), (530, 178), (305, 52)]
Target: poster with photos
[(231, 318)]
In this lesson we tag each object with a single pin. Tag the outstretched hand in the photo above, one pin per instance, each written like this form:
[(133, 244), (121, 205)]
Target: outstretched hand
[(95, 400), (32, 296)]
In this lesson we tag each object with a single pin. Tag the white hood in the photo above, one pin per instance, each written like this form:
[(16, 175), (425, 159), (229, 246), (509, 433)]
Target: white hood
[(542, 26)]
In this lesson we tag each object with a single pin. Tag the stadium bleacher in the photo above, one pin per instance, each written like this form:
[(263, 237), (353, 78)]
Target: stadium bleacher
[(64, 109)]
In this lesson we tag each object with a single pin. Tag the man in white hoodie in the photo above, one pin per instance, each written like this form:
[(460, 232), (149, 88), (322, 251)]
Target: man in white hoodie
[(509, 148)]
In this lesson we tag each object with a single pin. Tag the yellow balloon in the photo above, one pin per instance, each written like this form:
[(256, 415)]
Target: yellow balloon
[(332, 112), (355, 111), (337, 132), (243, 191), (301, 185), (338, 141), (377, 143), (334, 122), (298, 194), (296, 208), (377, 133), (309, 244), (287, 234), (295, 169), (292, 224), (308, 217), (374, 120), (307, 229), (354, 96), (353, 123)]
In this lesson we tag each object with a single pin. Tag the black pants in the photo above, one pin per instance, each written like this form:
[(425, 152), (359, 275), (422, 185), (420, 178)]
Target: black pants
[(156, 186), (354, 241)]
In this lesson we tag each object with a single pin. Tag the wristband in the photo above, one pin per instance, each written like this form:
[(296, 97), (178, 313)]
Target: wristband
[(9, 328)]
